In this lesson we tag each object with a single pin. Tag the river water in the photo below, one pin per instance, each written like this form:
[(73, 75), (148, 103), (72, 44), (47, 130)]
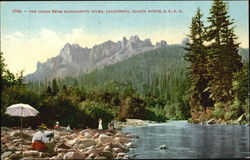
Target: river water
[(186, 140)]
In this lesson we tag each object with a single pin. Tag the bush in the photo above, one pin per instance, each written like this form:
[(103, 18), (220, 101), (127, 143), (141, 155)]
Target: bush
[(156, 114), (177, 111), (218, 111), (64, 104), (95, 111), (132, 107)]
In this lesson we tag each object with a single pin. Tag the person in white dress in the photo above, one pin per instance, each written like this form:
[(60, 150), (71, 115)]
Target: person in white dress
[(100, 124)]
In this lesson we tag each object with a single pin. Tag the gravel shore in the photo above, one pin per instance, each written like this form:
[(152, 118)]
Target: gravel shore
[(82, 144)]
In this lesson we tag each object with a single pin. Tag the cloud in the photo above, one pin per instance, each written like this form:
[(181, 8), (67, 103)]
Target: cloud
[(23, 51)]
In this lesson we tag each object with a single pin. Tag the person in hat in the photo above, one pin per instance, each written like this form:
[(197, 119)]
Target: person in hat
[(39, 139)]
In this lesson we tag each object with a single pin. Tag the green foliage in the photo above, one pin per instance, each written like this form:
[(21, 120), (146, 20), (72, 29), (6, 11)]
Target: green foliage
[(197, 57), (241, 83), (223, 57), (132, 107), (237, 109), (95, 111), (64, 104), (55, 88), (157, 114), (13, 95), (177, 111), (218, 111)]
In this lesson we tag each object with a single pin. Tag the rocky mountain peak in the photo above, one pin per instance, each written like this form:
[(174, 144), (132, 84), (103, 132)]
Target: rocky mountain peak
[(134, 39), (162, 43), (75, 60)]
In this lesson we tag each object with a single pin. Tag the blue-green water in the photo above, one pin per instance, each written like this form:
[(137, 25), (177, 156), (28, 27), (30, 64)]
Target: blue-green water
[(186, 140)]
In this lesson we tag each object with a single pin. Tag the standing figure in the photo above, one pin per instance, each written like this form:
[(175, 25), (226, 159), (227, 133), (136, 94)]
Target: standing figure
[(100, 124)]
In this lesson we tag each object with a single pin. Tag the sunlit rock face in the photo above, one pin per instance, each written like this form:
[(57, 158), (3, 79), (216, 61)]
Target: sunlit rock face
[(74, 60)]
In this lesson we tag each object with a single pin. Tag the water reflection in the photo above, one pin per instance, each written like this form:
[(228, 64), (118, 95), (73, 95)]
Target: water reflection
[(191, 140)]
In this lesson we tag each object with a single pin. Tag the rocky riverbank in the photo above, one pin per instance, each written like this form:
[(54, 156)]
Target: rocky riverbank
[(84, 144), (132, 123), (242, 120)]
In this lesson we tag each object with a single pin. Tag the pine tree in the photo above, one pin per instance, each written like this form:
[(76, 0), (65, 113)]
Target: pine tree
[(197, 56), (55, 88), (49, 90), (223, 57), (64, 87)]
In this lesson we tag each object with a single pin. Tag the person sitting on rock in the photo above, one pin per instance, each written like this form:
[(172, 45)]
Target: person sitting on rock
[(68, 128), (39, 139), (57, 126), (110, 126)]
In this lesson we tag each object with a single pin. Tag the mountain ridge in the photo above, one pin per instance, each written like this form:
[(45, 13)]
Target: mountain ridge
[(74, 59)]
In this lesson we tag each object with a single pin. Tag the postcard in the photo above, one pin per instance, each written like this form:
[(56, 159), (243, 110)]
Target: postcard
[(124, 79)]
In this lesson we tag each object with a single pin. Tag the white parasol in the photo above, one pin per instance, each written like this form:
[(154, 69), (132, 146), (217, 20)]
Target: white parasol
[(21, 110)]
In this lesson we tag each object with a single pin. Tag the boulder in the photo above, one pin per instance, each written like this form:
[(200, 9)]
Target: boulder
[(26, 147), (63, 145), (61, 150), (109, 134), (120, 134), (5, 139), (12, 148), (130, 145), (28, 158), (122, 139), (74, 135), (31, 153), (15, 156), (88, 131), (73, 155), (105, 139), (87, 135), (116, 150), (86, 143), (107, 154), (92, 156), (6, 154), (116, 143), (107, 148), (60, 156), (98, 145), (18, 134), (163, 147), (130, 156), (95, 151), (76, 146), (72, 142), (96, 135), (121, 154), (100, 157)]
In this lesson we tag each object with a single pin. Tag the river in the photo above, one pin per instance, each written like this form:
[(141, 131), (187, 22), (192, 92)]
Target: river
[(193, 141)]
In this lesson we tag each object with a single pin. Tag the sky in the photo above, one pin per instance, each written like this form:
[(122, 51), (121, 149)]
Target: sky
[(28, 37)]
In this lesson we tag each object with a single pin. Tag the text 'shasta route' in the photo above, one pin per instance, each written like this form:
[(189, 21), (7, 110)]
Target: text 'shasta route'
[(95, 11)]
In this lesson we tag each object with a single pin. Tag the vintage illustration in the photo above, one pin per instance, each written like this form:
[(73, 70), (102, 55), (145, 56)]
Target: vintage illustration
[(124, 79)]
